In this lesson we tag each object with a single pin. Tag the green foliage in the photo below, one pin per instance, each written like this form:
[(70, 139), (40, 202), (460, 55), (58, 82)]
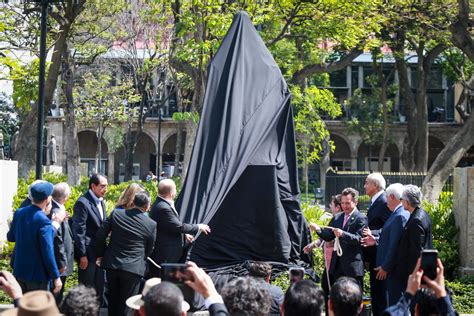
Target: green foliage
[(8, 118), (186, 117), (463, 293), (445, 232), (309, 105)]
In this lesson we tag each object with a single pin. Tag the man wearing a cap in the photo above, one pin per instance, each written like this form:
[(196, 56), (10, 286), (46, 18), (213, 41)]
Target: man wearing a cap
[(34, 264)]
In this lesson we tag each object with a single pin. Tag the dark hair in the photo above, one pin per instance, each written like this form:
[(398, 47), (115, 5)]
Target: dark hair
[(259, 269), (95, 179), (246, 296), (303, 298), (80, 301), (164, 299), (346, 297), (141, 200), (336, 199), (351, 191)]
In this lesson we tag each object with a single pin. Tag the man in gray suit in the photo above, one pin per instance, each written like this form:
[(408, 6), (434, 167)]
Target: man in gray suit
[(132, 237)]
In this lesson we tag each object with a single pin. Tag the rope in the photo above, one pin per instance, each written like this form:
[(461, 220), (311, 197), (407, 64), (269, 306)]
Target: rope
[(337, 246)]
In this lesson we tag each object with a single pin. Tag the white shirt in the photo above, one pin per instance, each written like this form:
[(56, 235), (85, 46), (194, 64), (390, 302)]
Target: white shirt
[(376, 196), (98, 202)]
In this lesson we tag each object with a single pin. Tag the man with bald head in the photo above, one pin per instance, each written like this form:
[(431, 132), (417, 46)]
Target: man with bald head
[(171, 233)]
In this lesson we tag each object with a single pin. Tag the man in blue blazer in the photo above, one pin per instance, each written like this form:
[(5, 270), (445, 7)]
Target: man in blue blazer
[(387, 240), (377, 215), (34, 263), (347, 227), (89, 214)]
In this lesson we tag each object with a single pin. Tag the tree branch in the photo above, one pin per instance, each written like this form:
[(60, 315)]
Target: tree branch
[(312, 69)]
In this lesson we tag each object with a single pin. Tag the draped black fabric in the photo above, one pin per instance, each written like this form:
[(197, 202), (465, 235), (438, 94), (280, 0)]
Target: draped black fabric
[(242, 178)]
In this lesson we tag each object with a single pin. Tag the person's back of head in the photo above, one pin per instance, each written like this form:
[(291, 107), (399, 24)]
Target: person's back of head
[(142, 200), (246, 296), (259, 269), (426, 303), (80, 301), (345, 298), (164, 299), (303, 298)]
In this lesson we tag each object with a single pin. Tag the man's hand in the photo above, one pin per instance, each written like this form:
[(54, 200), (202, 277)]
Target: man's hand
[(314, 227), (98, 261), (381, 273), (201, 282), (83, 263), (366, 231), (308, 248), (10, 285), (57, 285), (368, 241), (338, 232), (60, 216), (437, 285), (189, 238), (414, 280), (203, 228)]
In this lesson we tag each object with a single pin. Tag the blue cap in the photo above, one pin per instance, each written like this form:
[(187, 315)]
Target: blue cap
[(41, 191)]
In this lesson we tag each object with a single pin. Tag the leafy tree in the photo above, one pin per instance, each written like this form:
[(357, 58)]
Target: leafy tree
[(102, 105), (9, 122), (310, 128)]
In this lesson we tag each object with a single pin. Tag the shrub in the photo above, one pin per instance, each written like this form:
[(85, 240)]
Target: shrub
[(445, 232), (463, 293)]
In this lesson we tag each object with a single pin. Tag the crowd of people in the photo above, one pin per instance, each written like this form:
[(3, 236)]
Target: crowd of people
[(115, 254)]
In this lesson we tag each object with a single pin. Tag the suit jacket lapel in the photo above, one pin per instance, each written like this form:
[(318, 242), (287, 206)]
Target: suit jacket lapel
[(350, 220), (172, 208), (94, 208)]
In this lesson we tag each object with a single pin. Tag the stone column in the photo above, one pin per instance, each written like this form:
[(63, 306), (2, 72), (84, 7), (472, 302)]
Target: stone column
[(111, 166), (464, 214)]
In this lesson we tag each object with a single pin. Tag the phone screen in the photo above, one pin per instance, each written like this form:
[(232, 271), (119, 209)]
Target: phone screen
[(429, 263), (174, 272)]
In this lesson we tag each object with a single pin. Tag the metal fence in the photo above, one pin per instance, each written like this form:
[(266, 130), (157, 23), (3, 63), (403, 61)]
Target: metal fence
[(336, 181)]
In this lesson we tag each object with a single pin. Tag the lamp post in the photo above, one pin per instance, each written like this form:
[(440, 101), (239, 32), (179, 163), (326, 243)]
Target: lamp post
[(158, 151), (42, 71)]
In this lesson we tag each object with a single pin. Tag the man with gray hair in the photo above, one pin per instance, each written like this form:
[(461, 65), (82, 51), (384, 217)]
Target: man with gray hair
[(377, 214), (387, 240), (415, 237), (63, 240)]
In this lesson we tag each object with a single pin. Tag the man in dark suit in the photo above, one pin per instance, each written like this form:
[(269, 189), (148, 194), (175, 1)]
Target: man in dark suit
[(377, 215), (172, 234), (388, 238), (347, 227), (89, 213), (63, 242), (34, 265), (132, 237), (415, 237)]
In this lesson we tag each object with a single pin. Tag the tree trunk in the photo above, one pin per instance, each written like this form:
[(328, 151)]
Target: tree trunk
[(130, 143), (25, 151), (421, 156), (191, 129), (447, 159), (72, 141), (409, 150), (384, 145), (179, 148)]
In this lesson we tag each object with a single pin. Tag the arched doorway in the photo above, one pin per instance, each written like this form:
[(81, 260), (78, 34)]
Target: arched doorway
[(168, 155), (144, 159), (468, 159), (341, 158), (368, 156), (88, 153)]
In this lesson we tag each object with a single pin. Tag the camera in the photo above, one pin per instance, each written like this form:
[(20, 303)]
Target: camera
[(175, 272)]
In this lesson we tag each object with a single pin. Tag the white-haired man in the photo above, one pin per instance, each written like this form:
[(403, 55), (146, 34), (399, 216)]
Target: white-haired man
[(387, 240), (415, 237), (377, 214)]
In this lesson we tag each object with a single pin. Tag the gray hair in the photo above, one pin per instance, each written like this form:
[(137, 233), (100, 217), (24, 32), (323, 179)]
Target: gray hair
[(412, 194), (395, 189), (61, 191), (377, 179)]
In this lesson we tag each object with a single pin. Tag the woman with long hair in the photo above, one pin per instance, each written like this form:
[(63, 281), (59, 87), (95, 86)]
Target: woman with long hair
[(125, 200)]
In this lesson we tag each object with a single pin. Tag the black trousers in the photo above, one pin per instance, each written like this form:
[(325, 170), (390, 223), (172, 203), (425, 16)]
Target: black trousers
[(378, 291), (28, 286), (94, 276), (121, 285)]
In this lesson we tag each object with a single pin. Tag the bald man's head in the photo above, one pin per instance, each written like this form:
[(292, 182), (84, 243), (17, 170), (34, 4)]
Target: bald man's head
[(167, 189)]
